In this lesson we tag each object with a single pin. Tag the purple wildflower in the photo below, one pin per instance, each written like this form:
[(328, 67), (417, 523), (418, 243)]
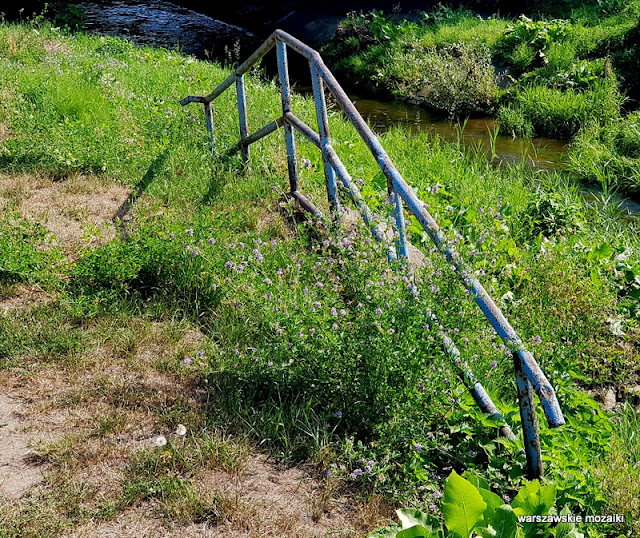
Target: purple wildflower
[(506, 499), (338, 414), (211, 241), (494, 364), (187, 361), (437, 495), (378, 312), (355, 474)]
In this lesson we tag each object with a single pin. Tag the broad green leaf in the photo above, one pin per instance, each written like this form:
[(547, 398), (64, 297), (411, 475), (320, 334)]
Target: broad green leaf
[(417, 531), (463, 505), (533, 499), (493, 502), (477, 481), (504, 522), (602, 252), (410, 516)]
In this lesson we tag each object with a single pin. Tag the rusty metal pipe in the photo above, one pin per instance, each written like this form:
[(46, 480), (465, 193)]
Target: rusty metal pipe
[(323, 129), (208, 118), (306, 204)]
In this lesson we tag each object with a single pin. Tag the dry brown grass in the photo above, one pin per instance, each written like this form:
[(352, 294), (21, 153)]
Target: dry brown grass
[(77, 211), (76, 429)]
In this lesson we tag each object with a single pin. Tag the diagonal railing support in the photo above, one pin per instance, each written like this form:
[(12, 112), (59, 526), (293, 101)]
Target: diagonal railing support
[(530, 379)]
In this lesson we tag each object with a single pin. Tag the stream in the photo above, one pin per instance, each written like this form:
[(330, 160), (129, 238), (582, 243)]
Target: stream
[(544, 153)]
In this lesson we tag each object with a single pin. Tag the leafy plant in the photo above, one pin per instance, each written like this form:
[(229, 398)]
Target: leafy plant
[(470, 508)]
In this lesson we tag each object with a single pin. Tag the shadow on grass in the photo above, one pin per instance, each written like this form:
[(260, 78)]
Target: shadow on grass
[(156, 167), (226, 160)]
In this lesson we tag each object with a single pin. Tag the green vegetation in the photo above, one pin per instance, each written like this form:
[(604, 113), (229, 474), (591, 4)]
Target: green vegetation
[(313, 348), (563, 71)]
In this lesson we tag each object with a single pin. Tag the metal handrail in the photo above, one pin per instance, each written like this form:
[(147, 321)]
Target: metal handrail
[(529, 376)]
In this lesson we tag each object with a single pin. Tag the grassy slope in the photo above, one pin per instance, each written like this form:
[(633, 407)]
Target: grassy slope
[(302, 346)]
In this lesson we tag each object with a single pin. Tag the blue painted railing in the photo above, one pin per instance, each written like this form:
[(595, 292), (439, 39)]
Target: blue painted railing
[(529, 377)]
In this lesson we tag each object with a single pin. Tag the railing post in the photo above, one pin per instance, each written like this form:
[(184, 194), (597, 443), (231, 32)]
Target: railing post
[(401, 232), (242, 115), (285, 92), (323, 129), (530, 434), (208, 118)]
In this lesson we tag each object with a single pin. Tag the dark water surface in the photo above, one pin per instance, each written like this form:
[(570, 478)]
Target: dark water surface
[(544, 153)]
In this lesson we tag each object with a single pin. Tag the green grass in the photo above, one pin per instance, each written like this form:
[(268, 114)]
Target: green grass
[(573, 65), (313, 346)]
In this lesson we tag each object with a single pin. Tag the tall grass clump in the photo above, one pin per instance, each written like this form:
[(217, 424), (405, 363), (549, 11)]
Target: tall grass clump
[(558, 113), (609, 155)]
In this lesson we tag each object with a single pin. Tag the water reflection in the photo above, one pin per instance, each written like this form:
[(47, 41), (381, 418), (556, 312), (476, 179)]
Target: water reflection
[(544, 153)]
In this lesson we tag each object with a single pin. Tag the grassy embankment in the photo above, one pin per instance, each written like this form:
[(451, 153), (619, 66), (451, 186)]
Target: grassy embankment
[(571, 66), (307, 343)]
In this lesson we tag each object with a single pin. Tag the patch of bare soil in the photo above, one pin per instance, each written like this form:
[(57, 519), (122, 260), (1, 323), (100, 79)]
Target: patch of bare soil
[(77, 211), (266, 500), (17, 473), (23, 297), (273, 500)]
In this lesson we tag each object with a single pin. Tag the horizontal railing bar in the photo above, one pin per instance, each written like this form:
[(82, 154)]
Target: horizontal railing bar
[(306, 204), (192, 99), (303, 128)]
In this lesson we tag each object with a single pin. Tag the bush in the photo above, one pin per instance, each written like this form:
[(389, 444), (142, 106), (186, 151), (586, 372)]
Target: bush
[(459, 79)]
